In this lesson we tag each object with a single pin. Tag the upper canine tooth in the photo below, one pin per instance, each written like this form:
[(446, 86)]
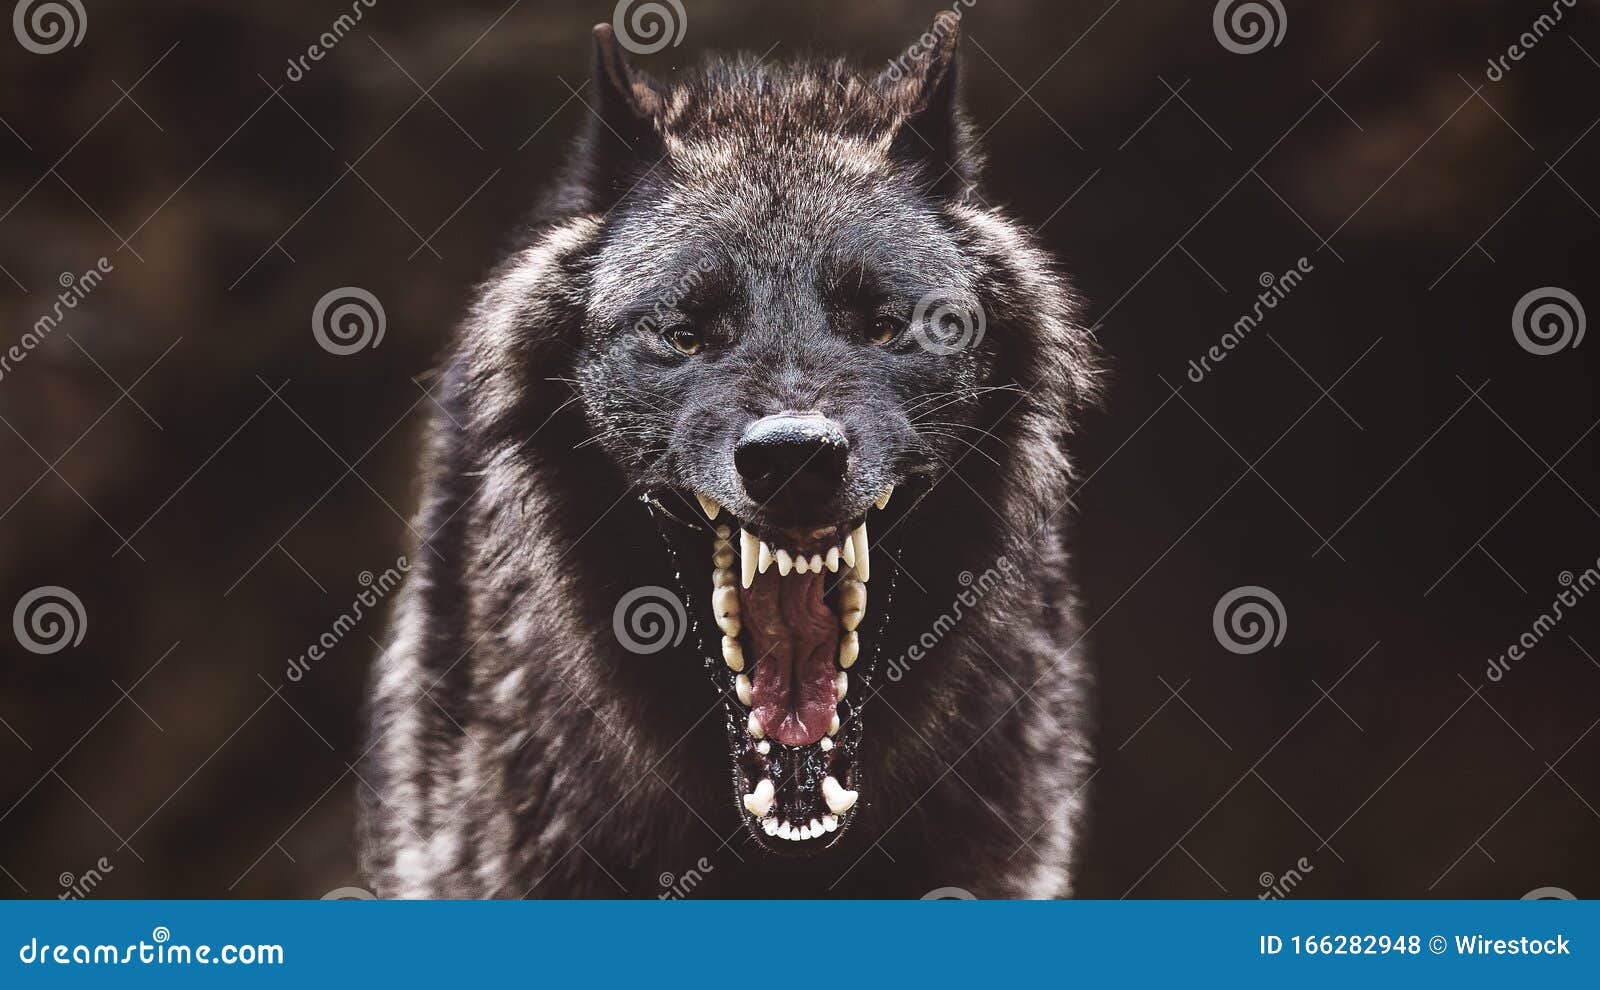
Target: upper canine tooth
[(852, 603), (708, 505), (847, 551), (833, 559), (849, 649), (741, 686), (759, 801), (841, 686), (839, 800), (763, 557), (883, 500), (801, 564), (725, 605), (859, 538), (753, 725), (785, 563), (749, 549), (732, 654)]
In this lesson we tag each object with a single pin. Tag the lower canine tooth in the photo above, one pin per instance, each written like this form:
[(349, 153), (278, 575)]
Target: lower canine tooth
[(732, 654), (785, 563), (759, 801), (749, 550), (708, 505), (753, 726), (859, 538), (849, 649), (852, 603), (839, 800), (741, 686)]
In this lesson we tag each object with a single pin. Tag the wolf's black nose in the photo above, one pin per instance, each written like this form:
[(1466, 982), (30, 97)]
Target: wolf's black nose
[(802, 456)]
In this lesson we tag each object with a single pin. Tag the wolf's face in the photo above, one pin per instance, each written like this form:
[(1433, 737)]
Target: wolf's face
[(789, 311)]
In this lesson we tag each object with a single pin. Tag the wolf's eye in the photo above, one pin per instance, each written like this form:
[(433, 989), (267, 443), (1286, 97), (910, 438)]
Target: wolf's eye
[(684, 340), (884, 330)]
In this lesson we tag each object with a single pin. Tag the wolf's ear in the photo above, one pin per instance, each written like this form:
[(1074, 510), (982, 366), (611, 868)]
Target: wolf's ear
[(934, 132), (623, 140)]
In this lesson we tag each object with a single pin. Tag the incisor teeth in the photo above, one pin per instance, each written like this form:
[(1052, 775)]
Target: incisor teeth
[(816, 563), (753, 726), (770, 826), (732, 654), (852, 603), (883, 500), (749, 549), (859, 539), (839, 800), (816, 827), (833, 559), (785, 831), (741, 687), (725, 605), (849, 649), (830, 823), (785, 563), (841, 686), (833, 726), (763, 558), (708, 505), (759, 801), (801, 564)]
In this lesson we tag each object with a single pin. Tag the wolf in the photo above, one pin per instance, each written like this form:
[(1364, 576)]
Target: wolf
[(756, 442)]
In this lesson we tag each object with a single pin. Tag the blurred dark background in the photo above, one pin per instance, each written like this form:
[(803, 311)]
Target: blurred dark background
[(183, 457)]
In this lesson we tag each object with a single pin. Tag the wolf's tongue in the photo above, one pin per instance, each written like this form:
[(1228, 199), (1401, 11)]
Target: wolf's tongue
[(794, 639)]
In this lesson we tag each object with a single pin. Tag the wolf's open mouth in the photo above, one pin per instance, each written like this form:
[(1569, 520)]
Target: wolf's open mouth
[(789, 605)]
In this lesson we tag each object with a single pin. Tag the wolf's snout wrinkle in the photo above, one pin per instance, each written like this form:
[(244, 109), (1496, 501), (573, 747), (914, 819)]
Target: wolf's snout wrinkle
[(802, 456)]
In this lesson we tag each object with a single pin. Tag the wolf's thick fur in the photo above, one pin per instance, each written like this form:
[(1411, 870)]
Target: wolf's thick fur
[(517, 749)]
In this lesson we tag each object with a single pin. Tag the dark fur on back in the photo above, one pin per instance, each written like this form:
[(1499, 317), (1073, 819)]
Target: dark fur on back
[(517, 748)]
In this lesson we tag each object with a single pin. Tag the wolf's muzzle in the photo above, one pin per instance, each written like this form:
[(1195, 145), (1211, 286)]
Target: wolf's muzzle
[(801, 455)]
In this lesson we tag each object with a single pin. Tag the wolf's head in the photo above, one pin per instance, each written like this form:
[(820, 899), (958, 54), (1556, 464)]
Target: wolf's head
[(784, 301)]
